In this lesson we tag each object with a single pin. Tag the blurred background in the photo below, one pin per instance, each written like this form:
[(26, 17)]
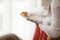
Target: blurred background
[(12, 22)]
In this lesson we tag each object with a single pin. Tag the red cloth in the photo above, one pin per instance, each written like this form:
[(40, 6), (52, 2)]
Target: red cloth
[(39, 34)]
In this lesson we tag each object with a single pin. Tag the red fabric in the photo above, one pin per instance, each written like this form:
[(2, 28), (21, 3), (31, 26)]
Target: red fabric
[(39, 34)]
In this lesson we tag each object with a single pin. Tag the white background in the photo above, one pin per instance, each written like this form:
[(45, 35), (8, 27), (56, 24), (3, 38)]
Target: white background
[(12, 22)]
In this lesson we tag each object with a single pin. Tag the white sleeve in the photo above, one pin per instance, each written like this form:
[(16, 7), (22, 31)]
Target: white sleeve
[(55, 8), (54, 30)]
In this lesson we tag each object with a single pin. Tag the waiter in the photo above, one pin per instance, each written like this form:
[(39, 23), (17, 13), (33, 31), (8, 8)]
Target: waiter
[(53, 31)]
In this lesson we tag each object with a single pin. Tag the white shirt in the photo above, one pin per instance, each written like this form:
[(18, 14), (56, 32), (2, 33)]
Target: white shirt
[(54, 29)]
